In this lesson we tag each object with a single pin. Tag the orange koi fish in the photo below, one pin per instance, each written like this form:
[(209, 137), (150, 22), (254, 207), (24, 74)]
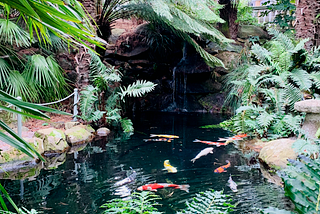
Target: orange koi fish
[(211, 143), (158, 139), (222, 168), (164, 135), (155, 186)]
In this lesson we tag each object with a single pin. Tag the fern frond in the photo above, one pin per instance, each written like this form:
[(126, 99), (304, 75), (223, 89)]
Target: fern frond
[(282, 38), (209, 202), (136, 89), (301, 78), (265, 119), (261, 53), (88, 100), (315, 76), (127, 125), (293, 95)]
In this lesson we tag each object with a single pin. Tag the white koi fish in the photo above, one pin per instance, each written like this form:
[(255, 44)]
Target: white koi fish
[(203, 153), (232, 185), (127, 180)]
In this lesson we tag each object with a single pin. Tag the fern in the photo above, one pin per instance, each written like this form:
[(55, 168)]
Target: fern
[(140, 203), (282, 38), (301, 78), (209, 202), (136, 89), (127, 125), (88, 102), (265, 119), (306, 147)]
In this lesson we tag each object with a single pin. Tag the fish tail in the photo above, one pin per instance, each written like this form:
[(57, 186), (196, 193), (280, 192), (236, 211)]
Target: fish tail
[(193, 160), (146, 140), (196, 140), (153, 135), (227, 161), (184, 187)]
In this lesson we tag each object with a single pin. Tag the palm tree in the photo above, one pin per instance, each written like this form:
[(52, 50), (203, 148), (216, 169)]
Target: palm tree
[(306, 20)]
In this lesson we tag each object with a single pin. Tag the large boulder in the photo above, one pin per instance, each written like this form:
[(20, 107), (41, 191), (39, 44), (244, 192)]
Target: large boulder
[(9, 153), (78, 135), (247, 31), (276, 153), (54, 140), (229, 59), (312, 120)]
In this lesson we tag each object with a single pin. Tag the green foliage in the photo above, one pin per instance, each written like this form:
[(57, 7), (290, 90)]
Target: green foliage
[(285, 15), (209, 202), (272, 210), (106, 80), (265, 88), (186, 19), (140, 203), (244, 14), (301, 184), (88, 104), (305, 146)]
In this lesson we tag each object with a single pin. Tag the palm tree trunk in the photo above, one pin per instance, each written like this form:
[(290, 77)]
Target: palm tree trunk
[(306, 11)]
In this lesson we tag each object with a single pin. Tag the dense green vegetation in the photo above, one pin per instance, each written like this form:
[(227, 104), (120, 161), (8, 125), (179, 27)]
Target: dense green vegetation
[(262, 89)]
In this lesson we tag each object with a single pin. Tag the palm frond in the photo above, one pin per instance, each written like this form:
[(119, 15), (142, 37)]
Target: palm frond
[(136, 89), (4, 73), (12, 34)]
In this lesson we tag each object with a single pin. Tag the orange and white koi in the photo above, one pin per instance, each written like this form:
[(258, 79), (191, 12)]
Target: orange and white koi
[(155, 186), (164, 135), (158, 139), (211, 143), (236, 137), (222, 168)]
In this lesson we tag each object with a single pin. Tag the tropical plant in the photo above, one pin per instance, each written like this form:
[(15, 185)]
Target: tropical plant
[(302, 184), (285, 13), (209, 201), (244, 15), (140, 203), (186, 19), (106, 95), (265, 88), (38, 77)]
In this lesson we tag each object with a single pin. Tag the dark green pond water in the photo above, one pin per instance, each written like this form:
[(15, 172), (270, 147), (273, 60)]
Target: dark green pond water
[(86, 179)]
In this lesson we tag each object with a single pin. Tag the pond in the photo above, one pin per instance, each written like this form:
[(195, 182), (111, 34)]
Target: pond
[(86, 179)]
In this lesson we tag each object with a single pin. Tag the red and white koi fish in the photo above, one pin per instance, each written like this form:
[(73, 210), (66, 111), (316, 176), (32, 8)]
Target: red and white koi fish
[(158, 139), (155, 186), (236, 137), (164, 135), (211, 143), (222, 168)]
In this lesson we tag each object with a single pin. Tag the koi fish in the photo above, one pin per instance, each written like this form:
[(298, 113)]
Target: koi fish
[(232, 185), (203, 153), (236, 137), (211, 143), (164, 135), (168, 167), (158, 139), (155, 186), (127, 180), (222, 168)]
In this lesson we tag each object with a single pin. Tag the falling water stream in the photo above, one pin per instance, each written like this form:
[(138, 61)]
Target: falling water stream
[(85, 179)]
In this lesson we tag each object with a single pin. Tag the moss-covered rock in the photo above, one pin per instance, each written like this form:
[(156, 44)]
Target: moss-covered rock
[(69, 125), (276, 153), (53, 162), (20, 170), (78, 135), (54, 140)]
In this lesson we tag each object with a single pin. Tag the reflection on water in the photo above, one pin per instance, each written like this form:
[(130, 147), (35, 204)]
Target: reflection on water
[(86, 180)]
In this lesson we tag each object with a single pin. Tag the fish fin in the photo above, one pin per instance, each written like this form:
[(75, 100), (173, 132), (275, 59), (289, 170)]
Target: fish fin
[(223, 139), (196, 140), (218, 145), (211, 152), (184, 187)]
